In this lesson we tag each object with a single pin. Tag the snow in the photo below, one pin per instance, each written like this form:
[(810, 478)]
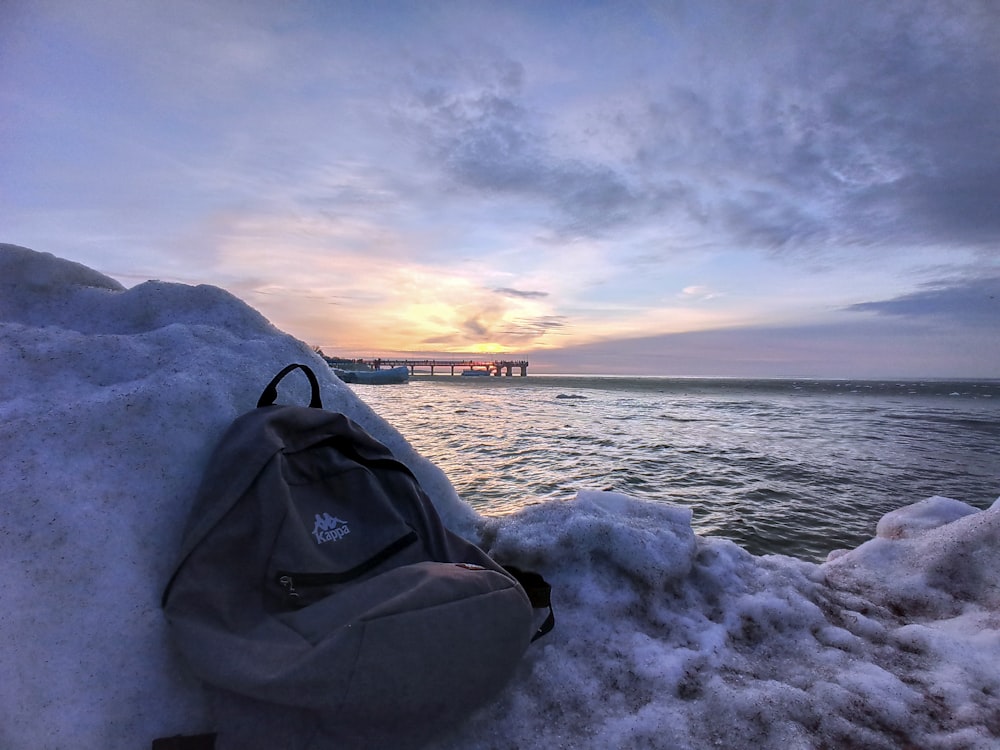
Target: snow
[(112, 399)]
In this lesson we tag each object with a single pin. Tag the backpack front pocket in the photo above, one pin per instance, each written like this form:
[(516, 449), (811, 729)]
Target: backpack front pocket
[(339, 526), (303, 588)]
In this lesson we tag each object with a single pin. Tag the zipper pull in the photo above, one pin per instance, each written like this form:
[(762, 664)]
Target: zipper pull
[(289, 586)]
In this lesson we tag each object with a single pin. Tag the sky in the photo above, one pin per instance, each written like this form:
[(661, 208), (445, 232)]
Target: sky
[(692, 188)]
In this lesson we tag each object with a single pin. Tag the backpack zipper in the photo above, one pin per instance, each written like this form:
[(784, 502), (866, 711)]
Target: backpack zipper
[(290, 581)]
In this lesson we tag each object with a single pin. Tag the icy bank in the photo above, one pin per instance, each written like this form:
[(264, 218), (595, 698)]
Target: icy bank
[(113, 398)]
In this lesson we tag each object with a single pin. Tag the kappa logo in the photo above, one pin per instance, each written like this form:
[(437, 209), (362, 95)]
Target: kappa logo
[(329, 529)]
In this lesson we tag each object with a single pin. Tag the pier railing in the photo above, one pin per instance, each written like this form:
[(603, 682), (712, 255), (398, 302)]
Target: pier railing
[(495, 367)]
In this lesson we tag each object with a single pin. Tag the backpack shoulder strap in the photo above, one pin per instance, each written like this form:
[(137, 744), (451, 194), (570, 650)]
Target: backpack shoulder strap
[(539, 593)]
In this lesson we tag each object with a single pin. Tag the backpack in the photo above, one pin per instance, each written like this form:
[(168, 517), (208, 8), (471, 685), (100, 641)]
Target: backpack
[(316, 581)]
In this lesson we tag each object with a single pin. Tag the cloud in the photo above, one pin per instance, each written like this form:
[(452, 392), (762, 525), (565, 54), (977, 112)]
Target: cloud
[(488, 141), (477, 126), (496, 329), (881, 349), (771, 126), (508, 292), (529, 330), (699, 292), (973, 302), (784, 127)]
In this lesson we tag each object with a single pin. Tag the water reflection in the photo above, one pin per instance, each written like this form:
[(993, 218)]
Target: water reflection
[(797, 469)]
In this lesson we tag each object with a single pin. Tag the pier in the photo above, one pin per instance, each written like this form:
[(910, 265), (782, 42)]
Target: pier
[(495, 367)]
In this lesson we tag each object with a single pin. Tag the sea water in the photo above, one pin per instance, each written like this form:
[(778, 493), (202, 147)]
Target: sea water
[(797, 467)]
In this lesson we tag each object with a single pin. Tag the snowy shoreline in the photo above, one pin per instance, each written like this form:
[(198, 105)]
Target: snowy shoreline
[(113, 399)]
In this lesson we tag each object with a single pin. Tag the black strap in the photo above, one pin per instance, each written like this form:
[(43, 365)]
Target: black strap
[(270, 393), (185, 742), (539, 593)]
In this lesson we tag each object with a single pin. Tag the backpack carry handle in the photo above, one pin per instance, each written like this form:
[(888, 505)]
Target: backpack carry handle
[(271, 391)]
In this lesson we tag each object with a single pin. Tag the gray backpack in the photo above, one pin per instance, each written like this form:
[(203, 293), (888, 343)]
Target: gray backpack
[(317, 583)]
